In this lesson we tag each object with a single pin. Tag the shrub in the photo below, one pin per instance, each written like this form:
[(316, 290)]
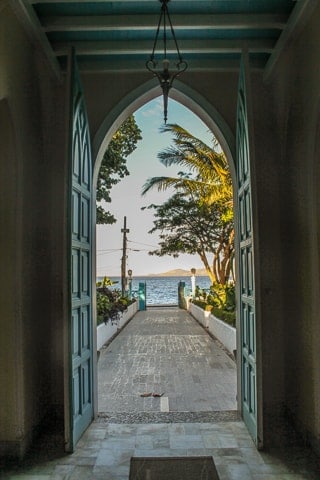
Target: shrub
[(220, 300), (224, 315), (110, 303)]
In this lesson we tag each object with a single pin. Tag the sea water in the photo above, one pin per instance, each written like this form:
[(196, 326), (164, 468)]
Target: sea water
[(163, 290)]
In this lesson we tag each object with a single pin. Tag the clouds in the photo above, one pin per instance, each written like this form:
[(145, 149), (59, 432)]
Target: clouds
[(152, 109)]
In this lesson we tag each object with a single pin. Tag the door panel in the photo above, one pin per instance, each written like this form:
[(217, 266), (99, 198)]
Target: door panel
[(247, 310), (81, 351)]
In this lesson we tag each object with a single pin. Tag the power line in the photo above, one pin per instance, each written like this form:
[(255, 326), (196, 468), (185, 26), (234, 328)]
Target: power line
[(107, 252), (111, 251), (146, 244)]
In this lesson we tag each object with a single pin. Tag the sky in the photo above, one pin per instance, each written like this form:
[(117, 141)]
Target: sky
[(128, 201)]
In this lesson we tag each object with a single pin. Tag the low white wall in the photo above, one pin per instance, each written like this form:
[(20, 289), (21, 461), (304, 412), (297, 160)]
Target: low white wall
[(221, 330), (105, 332)]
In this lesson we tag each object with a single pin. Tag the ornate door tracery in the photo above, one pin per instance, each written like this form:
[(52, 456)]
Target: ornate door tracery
[(80, 294), (247, 307)]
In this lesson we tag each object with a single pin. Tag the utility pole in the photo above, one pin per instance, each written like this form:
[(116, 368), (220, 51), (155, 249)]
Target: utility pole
[(124, 230)]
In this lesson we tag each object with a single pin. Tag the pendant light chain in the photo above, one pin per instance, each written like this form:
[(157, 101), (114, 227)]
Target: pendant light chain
[(164, 76)]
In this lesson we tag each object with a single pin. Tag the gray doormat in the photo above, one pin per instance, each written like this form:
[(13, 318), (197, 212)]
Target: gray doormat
[(172, 468)]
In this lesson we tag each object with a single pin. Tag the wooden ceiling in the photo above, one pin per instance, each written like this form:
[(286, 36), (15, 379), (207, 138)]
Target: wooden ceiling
[(118, 35)]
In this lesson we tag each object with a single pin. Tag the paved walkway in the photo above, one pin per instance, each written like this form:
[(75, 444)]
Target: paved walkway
[(166, 352)]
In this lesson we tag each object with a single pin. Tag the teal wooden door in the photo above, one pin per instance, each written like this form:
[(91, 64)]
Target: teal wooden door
[(247, 305), (81, 325)]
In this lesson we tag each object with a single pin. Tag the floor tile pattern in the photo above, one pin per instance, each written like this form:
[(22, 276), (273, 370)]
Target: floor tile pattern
[(105, 450), (164, 350)]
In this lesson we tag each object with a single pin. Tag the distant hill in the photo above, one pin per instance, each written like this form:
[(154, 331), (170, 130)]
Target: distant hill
[(179, 272)]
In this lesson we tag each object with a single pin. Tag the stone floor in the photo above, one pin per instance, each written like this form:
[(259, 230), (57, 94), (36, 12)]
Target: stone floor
[(165, 351), (141, 360), (105, 450)]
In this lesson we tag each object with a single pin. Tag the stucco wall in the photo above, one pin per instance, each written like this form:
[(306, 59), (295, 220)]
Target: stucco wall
[(28, 207), (10, 302), (33, 191), (268, 253), (300, 233), (287, 173), (104, 92)]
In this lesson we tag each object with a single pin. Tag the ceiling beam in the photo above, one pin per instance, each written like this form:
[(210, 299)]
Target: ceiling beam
[(149, 22), (143, 47), (87, 1), (115, 66), (99, 1)]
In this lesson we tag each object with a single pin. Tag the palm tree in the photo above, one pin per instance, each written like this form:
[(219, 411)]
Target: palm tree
[(210, 184)]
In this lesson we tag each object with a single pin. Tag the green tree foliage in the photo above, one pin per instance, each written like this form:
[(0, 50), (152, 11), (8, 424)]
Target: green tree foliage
[(208, 173), (199, 218), (113, 167), (110, 302), (187, 226)]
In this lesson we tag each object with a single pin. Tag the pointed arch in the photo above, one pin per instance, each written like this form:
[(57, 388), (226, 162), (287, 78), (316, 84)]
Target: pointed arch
[(181, 93)]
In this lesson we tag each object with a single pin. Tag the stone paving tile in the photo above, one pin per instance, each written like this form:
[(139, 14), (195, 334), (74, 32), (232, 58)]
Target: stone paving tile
[(228, 443), (234, 472), (165, 351), (30, 477), (105, 449)]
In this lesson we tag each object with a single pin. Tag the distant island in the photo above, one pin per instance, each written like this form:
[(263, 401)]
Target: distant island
[(179, 272)]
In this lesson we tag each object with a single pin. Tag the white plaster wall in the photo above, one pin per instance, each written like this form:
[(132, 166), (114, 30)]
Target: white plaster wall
[(221, 330), (105, 332)]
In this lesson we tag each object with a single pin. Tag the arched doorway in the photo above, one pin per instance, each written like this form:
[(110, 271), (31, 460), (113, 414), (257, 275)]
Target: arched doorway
[(188, 97)]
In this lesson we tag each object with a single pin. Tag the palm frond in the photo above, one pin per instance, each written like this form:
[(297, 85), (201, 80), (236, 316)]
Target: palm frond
[(211, 180), (163, 183)]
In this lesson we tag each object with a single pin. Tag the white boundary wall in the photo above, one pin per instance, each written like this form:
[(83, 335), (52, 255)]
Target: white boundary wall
[(105, 332), (219, 329)]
